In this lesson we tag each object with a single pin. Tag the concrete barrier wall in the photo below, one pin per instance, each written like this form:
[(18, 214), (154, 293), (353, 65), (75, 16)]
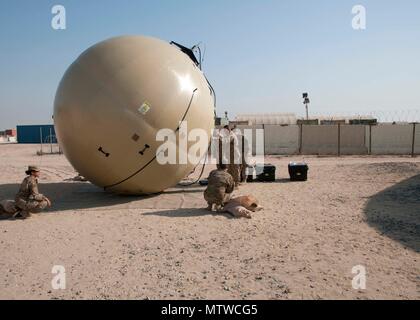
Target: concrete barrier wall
[(281, 140), (353, 140), (417, 140), (321, 140), (392, 139), (387, 139)]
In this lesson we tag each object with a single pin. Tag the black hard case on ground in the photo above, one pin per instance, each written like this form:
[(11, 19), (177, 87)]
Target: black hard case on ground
[(298, 171), (266, 173)]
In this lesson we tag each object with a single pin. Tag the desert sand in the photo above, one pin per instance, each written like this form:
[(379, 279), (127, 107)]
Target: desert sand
[(352, 211)]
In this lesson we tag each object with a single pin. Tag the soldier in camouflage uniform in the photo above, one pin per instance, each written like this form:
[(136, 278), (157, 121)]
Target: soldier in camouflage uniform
[(219, 189), (28, 199), (228, 152), (234, 167)]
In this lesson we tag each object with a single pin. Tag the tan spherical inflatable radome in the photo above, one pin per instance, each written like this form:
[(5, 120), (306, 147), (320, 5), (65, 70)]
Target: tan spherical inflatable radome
[(113, 100)]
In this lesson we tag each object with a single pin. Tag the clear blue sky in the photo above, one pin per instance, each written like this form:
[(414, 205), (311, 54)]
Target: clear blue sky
[(260, 57)]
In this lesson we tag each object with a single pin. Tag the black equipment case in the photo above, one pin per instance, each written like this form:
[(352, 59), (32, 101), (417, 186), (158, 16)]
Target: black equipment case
[(298, 171), (266, 173)]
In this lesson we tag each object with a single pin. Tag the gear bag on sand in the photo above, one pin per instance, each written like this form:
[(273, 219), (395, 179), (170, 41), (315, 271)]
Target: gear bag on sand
[(243, 207), (8, 207)]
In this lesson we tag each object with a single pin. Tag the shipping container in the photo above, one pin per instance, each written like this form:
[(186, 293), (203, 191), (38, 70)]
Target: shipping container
[(36, 134)]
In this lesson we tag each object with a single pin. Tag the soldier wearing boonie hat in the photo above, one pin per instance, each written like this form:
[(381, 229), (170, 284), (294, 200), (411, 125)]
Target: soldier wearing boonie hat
[(28, 199)]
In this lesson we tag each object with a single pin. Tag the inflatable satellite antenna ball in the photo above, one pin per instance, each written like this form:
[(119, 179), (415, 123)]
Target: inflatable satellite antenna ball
[(114, 99)]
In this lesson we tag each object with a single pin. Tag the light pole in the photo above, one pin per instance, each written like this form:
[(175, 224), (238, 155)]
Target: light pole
[(306, 102)]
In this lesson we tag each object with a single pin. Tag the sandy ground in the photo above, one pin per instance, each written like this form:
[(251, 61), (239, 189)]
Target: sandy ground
[(352, 211)]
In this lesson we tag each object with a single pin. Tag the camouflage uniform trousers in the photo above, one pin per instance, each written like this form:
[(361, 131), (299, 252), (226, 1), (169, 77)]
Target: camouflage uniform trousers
[(244, 175), (235, 171), (31, 206)]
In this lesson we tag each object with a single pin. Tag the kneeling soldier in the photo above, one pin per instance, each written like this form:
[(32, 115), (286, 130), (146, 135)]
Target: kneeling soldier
[(28, 199), (219, 189)]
